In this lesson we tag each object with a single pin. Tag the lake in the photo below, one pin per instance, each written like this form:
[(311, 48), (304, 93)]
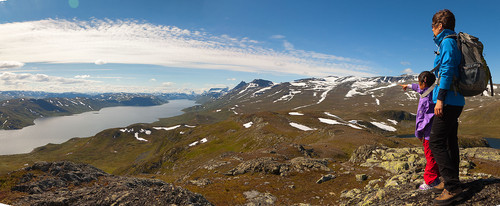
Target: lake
[(493, 142), (60, 129)]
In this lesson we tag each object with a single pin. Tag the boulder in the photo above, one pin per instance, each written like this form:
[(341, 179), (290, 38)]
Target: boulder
[(255, 198), (325, 178), (361, 177)]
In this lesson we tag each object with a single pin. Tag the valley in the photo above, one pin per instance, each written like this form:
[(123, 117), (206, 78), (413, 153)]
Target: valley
[(330, 141)]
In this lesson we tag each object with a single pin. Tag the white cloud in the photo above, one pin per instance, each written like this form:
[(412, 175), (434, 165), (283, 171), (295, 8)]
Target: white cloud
[(130, 42), (99, 62), (277, 36), (408, 71), (167, 84), (33, 82), (3, 0), (405, 63), (10, 64), (288, 45), (41, 82), (153, 80), (82, 76), (231, 79)]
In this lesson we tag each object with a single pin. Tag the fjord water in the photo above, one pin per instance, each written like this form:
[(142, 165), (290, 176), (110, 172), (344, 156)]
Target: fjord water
[(493, 142), (60, 129)]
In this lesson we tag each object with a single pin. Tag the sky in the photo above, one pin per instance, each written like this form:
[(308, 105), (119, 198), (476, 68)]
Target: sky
[(194, 45)]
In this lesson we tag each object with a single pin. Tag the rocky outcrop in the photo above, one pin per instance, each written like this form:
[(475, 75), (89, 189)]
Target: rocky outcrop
[(482, 153), (255, 198), (406, 168), (270, 165), (67, 183), (476, 192)]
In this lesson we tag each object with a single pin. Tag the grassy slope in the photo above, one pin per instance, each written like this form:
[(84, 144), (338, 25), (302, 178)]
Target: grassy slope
[(481, 121), (166, 156)]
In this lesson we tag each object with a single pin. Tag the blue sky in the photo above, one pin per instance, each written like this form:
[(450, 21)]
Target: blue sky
[(183, 46)]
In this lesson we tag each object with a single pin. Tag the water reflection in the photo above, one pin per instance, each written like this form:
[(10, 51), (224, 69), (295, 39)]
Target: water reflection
[(60, 129)]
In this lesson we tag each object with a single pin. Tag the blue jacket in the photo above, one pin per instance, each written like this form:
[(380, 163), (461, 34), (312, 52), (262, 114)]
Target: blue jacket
[(449, 57)]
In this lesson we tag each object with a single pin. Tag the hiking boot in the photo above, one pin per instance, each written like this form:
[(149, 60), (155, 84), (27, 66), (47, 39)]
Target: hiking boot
[(438, 188), (447, 198)]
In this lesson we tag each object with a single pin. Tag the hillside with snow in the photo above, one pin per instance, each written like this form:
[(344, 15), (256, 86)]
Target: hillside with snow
[(374, 103), (316, 141)]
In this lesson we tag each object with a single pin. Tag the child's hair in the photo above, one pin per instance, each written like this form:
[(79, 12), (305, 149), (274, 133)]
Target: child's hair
[(427, 77)]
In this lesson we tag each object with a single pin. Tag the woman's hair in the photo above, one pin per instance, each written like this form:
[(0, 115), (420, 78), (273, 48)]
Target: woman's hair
[(444, 17), (427, 77)]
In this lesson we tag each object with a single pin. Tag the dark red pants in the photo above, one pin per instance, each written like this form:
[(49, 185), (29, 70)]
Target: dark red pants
[(431, 172)]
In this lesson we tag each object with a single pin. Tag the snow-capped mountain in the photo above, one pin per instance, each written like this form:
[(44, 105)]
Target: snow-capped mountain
[(330, 92), (377, 102)]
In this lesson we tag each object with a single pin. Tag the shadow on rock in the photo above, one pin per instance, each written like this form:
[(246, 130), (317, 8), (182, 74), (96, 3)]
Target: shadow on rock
[(472, 190)]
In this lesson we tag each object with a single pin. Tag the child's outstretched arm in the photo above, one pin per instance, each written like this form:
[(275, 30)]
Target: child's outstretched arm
[(405, 86)]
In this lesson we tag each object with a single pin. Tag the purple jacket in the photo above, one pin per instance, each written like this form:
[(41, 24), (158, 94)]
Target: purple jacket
[(425, 114)]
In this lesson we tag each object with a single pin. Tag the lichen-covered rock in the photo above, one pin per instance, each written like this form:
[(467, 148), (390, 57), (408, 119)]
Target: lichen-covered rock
[(67, 183), (270, 165), (361, 177), (325, 178), (395, 166), (303, 163), (266, 165), (476, 192), (482, 153), (406, 167), (255, 198), (363, 152)]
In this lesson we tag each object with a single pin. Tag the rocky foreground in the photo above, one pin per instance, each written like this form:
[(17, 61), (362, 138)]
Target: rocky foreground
[(67, 183), (405, 167)]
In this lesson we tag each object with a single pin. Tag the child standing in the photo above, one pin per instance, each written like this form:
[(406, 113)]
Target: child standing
[(425, 114)]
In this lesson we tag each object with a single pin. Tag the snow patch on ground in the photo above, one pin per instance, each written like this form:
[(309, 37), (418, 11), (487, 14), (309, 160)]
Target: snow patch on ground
[(251, 85), (384, 126), (330, 121), (145, 131), (204, 140), (167, 128), (393, 121), (136, 135), (411, 96), (262, 90), (295, 113), (298, 84), (248, 125), (301, 127), (384, 87), (354, 126), (193, 144), (289, 96), (332, 115)]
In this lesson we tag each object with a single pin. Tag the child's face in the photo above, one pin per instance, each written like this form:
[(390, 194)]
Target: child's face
[(421, 85)]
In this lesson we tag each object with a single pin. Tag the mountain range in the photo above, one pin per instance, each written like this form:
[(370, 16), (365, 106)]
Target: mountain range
[(19, 112), (319, 141)]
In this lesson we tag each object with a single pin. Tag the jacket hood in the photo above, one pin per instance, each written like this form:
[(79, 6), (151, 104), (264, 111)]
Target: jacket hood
[(439, 38)]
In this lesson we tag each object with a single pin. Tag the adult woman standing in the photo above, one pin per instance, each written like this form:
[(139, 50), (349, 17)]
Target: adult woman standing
[(449, 105)]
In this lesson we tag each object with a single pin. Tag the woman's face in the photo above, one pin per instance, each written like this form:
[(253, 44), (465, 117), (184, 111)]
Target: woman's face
[(436, 29)]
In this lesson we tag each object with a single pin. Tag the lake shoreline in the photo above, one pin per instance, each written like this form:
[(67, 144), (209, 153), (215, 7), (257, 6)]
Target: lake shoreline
[(60, 129)]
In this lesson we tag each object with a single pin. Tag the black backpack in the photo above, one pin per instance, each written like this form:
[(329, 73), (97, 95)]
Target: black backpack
[(474, 73)]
